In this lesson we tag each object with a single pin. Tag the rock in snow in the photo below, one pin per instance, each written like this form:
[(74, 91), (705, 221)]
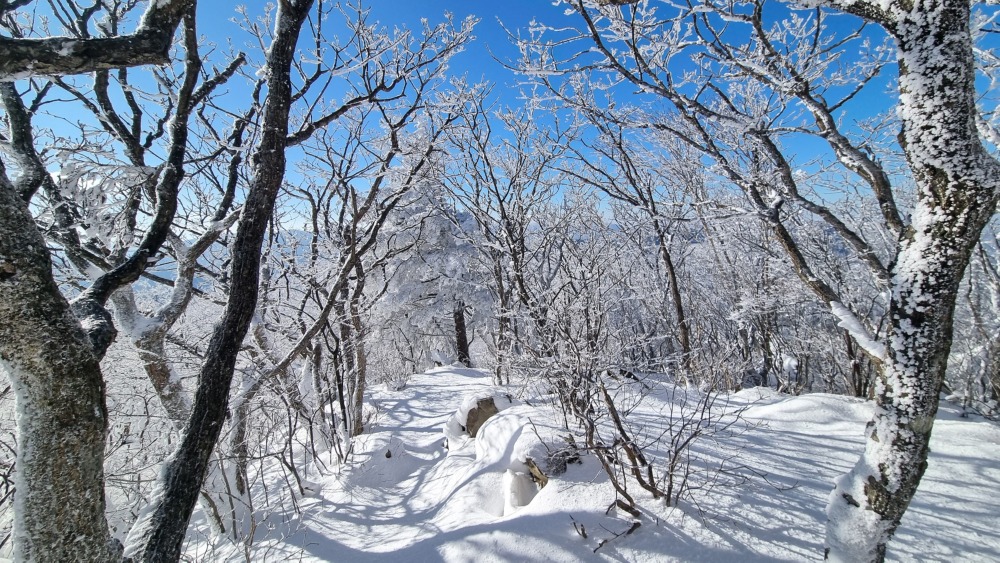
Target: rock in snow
[(477, 501)]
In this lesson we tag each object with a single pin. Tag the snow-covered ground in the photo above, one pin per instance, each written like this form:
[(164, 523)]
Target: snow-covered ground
[(408, 498)]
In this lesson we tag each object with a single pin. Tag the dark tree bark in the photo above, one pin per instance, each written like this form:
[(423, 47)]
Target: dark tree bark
[(53, 359), (161, 535), (149, 45), (461, 335), (683, 326), (60, 397), (92, 302), (360, 367)]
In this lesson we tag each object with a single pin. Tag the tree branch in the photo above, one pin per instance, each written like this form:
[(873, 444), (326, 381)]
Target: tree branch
[(150, 44)]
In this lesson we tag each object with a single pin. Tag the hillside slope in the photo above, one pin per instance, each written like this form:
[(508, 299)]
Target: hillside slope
[(409, 498)]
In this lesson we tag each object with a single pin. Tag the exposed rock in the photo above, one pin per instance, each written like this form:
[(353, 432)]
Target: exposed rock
[(557, 460), (484, 409)]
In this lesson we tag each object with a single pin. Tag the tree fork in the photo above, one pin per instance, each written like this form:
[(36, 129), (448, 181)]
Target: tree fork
[(159, 535)]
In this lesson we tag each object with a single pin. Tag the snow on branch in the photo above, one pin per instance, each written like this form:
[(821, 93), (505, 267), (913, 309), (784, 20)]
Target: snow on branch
[(873, 11), (149, 44), (851, 323)]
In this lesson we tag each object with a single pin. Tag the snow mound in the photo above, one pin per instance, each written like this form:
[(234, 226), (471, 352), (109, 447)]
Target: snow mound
[(498, 482), (405, 497), (379, 460), (455, 429), (506, 443), (816, 408)]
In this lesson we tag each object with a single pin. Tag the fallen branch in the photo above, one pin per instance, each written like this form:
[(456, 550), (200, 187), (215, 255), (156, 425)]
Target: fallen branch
[(635, 526)]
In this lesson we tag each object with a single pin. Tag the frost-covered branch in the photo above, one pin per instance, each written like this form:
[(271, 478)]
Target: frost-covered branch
[(148, 45), (170, 175), (751, 85), (850, 322), (365, 219), (872, 11), (411, 58)]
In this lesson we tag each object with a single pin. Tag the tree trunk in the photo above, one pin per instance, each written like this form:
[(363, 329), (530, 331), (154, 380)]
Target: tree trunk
[(347, 373), (683, 329), (504, 321), (360, 369), (168, 387), (461, 335), (62, 417), (159, 534), (859, 383), (341, 372), (151, 347), (504, 337), (957, 187)]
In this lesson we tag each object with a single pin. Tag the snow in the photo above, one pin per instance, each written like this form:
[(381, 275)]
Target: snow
[(850, 323), (454, 429), (406, 496)]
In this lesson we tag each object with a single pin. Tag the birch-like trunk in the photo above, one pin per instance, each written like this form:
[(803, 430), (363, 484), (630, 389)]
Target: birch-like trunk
[(957, 186), (62, 419)]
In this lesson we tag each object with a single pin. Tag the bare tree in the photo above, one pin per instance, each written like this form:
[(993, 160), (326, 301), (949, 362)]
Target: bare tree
[(502, 178), (40, 530), (746, 97), (366, 212), (159, 535), (627, 174), (64, 390)]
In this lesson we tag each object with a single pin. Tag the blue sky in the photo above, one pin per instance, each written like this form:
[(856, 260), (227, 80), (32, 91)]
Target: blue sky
[(215, 21), (477, 62)]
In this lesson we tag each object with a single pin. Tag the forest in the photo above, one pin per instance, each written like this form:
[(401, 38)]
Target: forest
[(352, 281)]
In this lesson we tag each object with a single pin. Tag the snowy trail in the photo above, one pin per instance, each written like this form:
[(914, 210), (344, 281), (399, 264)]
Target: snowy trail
[(425, 503), (392, 504)]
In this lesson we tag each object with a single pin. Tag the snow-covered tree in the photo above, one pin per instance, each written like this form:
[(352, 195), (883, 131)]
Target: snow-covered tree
[(108, 249), (438, 298), (502, 177), (78, 51), (632, 175), (361, 208), (741, 79), (62, 442), (974, 367), (378, 77)]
